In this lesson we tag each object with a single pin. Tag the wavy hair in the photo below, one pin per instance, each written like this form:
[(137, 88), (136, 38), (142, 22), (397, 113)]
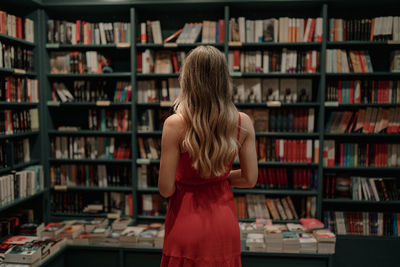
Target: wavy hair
[(206, 105)]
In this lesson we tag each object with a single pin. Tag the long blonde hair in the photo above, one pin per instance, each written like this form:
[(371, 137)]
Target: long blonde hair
[(206, 105)]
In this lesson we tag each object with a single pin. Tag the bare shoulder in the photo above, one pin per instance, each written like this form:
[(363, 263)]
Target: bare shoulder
[(247, 127), (174, 124)]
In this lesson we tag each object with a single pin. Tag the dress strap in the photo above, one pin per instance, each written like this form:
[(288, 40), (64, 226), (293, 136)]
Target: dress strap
[(239, 124)]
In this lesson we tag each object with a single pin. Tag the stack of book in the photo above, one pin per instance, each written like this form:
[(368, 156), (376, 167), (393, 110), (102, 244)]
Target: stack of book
[(365, 29), (326, 241), (282, 61), (282, 30), (274, 238), (83, 32), (342, 61), (18, 27), (291, 242)]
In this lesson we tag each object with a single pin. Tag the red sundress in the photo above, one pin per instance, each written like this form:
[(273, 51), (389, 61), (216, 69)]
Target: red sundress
[(201, 227)]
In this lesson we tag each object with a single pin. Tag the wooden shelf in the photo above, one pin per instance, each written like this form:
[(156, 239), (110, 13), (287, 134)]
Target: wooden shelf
[(16, 41)]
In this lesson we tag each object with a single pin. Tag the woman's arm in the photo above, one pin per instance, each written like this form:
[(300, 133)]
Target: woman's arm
[(247, 176), (170, 153)]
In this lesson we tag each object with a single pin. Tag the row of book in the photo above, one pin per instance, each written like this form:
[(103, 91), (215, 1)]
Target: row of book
[(281, 61), (83, 32), (361, 154), (254, 90), (4, 159), (258, 206), (89, 175), (287, 120), (148, 122), (284, 150), (281, 178), (92, 91), (149, 148), (98, 202), (192, 32), (79, 62), (16, 89), (161, 61), (153, 91), (110, 120), (368, 120), (15, 26), (362, 188), (69, 147), (21, 184), (362, 223), (147, 176), (16, 121), (264, 236), (278, 30), (153, 205), (366, 91), (366, 29), (16, 57), (342, 61), (21, 149)]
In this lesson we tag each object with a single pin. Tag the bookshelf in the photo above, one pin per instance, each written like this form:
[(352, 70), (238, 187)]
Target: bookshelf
[(23, 73), (52, 113)]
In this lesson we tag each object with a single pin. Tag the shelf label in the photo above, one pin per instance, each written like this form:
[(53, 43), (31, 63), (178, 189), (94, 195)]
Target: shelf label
[(60, 187), (331, 104), (236, 74), (274, 104), (392, 42), (52, 45), (166, 103), (123, 45), (103, 103), (19, 71), (115, 216), (143, 161), (53, 103), (170, 45), (235, 43)]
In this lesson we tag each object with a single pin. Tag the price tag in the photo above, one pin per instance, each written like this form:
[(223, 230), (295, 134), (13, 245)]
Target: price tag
[(115, 216), (392, 42), (123, 45), (236, 74), (331, 104), (235, 43), (52, 45), (166, 103), (274, 104), (103, 103), (143, 161), (19, 71), (60, 187), (170, 45), (53, 103)]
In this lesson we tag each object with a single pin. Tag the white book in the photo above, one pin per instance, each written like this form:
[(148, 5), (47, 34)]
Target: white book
[(276, 30), (301, 30), (242, 29), (311, 120), (258, 31), (284, 60), (249, 31), (389, 25), (156, 28), (395, 28), (281, 148), (307, 30), (266, 62), (374, 190), (259, 61), (314, 60), (230, 61), (309, 150)]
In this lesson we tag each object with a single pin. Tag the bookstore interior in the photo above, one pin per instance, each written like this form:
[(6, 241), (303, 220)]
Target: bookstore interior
[(85, 87)]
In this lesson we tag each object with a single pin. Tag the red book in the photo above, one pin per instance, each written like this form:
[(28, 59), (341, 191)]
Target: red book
[(221, 24), (78, 31), (277, 150), (327, 186), (286, 151), (236, 60), (310, 224), (259, 177), (351, 92), (312, 28), (130, 200), (341, 155), (122, 32), (18, 90), (367, 156), (285, 176), (175, 62), (333, 184), (139, 62), (265, 177), (270, 177)]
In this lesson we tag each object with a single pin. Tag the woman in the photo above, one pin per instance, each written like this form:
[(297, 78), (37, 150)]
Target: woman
[(199, 144)]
